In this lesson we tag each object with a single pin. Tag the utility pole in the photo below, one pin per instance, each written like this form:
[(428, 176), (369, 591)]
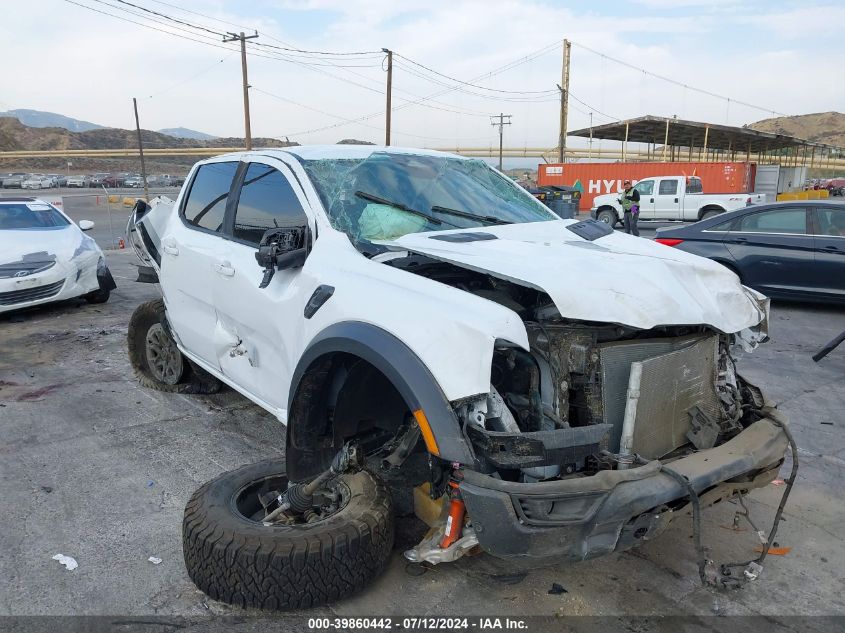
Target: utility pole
[(591, 136), (389, 95), (501, 123), (243, 38), (140, 151), (564, 100)]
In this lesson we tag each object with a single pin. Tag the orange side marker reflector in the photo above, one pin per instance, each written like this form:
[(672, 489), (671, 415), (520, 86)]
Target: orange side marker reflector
[(774, 551), (428, 436)]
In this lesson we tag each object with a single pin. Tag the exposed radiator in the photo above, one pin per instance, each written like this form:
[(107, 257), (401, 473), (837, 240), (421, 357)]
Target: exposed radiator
[(678, 374)]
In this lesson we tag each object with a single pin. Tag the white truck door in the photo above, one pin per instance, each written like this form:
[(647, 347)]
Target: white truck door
[(646, 189), (189, 250), (667, 199), (259, 330)]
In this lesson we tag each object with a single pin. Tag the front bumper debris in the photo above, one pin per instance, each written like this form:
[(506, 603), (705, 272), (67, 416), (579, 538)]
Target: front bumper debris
[(64, 280), (585, 517)]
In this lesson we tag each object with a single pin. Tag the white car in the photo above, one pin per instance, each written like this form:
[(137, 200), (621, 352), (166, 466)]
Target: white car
[(38, 181), (78, 181), (45, 257), (546, 388), (672, 198)]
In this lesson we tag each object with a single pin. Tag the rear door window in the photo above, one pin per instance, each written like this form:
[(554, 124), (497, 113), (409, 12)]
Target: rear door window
[(722, 226), (830, 222), (791, 221), (694, 186), (267, 201), (205, 206), (668, 187)]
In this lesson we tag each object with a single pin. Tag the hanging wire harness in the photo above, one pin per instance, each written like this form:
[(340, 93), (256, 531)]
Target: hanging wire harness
[(724, 577)]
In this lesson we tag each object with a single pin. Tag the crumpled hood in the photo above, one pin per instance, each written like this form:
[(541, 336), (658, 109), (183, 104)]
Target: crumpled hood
[(616, 278), (62, 242)]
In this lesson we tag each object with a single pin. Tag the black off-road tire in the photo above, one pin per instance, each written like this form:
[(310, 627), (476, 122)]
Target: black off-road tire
[(192, 379), (97, 296), (242, 562)]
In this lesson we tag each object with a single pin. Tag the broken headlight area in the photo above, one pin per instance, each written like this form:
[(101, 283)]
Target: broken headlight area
[(29, 264)]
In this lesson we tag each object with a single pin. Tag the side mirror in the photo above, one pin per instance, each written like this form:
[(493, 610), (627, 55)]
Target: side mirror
[(282, 248), (86, 225)]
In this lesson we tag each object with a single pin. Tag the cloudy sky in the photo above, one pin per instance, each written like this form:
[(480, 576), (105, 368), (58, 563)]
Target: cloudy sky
[(780, 56)]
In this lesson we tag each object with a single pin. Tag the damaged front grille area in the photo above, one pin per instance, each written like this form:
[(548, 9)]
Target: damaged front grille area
[(30, 294), (567, 447), (573, 406)]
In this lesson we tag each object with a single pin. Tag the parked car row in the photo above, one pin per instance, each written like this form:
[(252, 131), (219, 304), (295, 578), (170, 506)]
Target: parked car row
[(18, 180), (835, 186), (24, 180)]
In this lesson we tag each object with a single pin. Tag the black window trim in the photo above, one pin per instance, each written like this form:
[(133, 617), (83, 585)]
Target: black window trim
[(234, 198), (190, 188)]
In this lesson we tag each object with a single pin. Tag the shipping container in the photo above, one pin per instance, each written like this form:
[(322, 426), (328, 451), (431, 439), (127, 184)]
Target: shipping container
[(594, 179)]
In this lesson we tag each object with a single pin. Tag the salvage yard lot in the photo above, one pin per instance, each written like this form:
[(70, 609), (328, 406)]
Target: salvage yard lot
[(96, 467)]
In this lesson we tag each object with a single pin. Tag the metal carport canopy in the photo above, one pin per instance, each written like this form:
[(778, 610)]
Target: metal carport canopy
[(653, 129)]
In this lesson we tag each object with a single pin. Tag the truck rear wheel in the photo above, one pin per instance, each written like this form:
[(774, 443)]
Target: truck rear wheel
[(710, 213), (156, 360), (233, 557)]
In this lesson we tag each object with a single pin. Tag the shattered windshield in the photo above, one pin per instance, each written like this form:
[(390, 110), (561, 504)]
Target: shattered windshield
[(388, 195), (30, 215)]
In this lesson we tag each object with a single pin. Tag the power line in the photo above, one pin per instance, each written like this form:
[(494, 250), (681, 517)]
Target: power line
[(594, 110), (346, 121), (491, 73), (468, 83), (203, 15), (167, 17), (678, 83), (148, 26), (300, 50), (497, 98), (272, 55), (191, 78)]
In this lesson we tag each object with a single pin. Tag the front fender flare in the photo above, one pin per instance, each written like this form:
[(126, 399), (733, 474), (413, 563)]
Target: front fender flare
[(402, 367)]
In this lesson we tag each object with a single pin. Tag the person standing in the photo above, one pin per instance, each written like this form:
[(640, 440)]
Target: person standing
[(630, 201)]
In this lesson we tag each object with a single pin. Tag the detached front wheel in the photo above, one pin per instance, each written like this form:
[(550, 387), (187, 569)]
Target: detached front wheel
[(156, 359), (327, 554)]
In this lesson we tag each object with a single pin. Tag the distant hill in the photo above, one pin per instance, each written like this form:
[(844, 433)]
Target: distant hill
[(37, 118), (183, 132), (822, 127), (14, 135)]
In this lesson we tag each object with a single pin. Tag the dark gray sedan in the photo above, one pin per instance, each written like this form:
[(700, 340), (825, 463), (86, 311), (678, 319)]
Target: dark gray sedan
[(786, 250)]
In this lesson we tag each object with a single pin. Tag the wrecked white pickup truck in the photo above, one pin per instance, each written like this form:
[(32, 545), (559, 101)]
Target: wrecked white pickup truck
[(546, 388)]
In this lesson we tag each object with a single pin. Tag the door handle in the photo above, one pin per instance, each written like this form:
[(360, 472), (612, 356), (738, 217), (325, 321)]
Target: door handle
[(224, 269), (676, 200), (831, 249), (739, 240), (169, 247), (652, 200)]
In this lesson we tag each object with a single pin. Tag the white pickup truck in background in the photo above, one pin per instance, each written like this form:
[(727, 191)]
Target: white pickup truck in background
[(673, 198)]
